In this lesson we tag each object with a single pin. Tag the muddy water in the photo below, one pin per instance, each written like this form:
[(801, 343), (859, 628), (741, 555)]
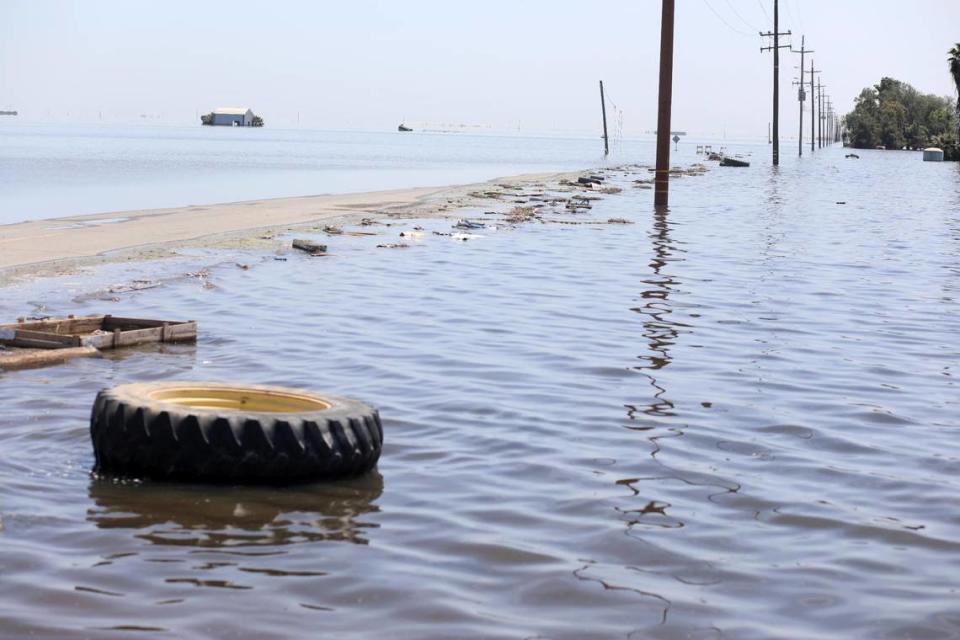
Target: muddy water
[(737, 419)]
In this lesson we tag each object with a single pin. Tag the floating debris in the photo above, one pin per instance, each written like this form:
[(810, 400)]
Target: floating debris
[(32, 344), (134, 285), (310, 247), (468, 224), (618, 221), (393, 245), (519, 215), (733, 162)]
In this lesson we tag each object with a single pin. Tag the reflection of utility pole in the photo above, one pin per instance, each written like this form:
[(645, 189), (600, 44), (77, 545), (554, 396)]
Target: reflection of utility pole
[(661, 194), (776, 76), (603, 108), (813, 106), (801, 94)]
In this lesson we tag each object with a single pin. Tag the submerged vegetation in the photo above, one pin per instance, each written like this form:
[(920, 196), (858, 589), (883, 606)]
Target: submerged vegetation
[(894, 115)]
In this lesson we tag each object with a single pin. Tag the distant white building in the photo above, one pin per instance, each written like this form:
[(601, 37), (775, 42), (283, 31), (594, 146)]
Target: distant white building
[(232, 117)]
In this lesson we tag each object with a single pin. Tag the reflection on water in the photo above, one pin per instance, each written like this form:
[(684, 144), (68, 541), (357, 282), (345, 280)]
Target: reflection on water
[(784, 468), (659, 330), (213, 517)]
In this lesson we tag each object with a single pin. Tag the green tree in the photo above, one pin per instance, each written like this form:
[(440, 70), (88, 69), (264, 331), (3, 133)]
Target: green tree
[(895, 115), (863, 124)]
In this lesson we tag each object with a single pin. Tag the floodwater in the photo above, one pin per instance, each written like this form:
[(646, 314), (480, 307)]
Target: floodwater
[(100, 168), (735, 419)]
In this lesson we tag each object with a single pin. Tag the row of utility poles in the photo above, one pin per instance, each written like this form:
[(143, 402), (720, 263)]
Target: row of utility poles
[(823, 130)]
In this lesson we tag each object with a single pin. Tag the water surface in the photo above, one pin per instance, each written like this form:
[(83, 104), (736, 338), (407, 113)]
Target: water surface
[(65, 170), (735, 419)]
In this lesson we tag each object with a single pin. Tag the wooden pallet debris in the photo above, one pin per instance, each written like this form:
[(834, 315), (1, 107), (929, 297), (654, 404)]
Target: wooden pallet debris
[(54, 340)]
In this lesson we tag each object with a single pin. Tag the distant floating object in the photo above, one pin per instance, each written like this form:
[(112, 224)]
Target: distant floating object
[(403, 127), (231, 117), (8, 113), (733, 162), (852, 155), (933, 154)]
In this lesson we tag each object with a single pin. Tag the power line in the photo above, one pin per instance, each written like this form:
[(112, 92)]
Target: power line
[(721, 18), (794, 14), (764, 9), (737, 13)]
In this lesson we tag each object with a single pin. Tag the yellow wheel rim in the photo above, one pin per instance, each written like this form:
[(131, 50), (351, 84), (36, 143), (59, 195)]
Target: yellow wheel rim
[(239, 399)]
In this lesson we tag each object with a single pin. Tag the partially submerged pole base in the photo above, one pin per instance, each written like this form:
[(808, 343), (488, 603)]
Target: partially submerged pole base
[(662, 179)]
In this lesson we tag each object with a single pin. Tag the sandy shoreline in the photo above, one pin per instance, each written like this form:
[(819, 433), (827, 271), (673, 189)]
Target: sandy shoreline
[(59, 245)]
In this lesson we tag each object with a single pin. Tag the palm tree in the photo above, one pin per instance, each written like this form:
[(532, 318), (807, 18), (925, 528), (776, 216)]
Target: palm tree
[(954, 61)]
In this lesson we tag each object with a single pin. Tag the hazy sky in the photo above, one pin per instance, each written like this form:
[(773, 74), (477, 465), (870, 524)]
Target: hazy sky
[(534, 64)]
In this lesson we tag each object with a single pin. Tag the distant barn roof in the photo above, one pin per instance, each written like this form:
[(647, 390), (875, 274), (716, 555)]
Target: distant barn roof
[(231, 111)]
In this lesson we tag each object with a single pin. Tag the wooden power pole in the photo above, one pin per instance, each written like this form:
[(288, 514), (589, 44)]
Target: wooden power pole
[(820, 119), (801, 94), (827, 135), (661, 194), (813, 107), (776, 76), (603, 109)]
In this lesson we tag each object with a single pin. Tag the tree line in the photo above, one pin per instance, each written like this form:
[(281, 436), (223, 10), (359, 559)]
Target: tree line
[(894, 115)]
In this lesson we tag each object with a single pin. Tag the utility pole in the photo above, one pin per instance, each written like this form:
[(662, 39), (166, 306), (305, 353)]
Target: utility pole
[(813, 106), (776, 77), (661, 193), (603, 108), (829, 122), (801, 94), (820, 120)]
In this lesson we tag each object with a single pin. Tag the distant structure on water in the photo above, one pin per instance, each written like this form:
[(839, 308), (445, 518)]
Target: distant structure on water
[(231, 117), (8, 113)]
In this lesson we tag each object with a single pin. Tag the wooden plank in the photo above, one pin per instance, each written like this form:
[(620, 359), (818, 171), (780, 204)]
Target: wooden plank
[(36, 339), (115, 322), (182, 332), (120, 338), (28, 359), (61, 326), (69, 341)]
